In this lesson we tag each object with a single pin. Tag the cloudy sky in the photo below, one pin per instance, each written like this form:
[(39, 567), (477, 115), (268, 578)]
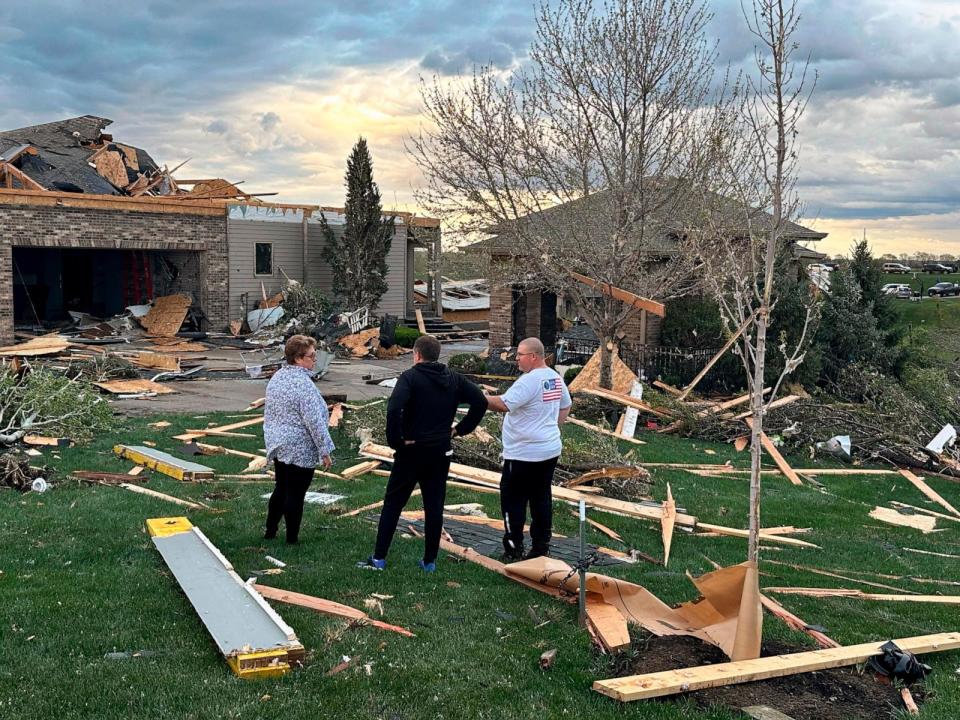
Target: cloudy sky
[(275, 93)]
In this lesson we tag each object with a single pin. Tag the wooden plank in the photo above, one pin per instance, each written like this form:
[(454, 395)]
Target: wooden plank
[(923, 523), (166, 315), (925, 511), (612, 534), (706, 368), (838, 576), (491, 479), (628, 401), (608, 623), (46, 441), (163, 496), (208, 449), (44, 345), (666, 524), (624, 296), (420, 326), (860, 595), (762, 712), (779, 402), (222, 433), (187, 437), (371, 506), (736, 532), (159, 361), (594, 428), (326, 607), (360, 469), (775, 455), (670, 682), (133, 387), (796, 623), (669, 389), (922, 486)]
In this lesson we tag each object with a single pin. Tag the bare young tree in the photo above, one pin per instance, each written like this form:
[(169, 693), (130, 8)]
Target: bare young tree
[(586, 159), (751, 228)]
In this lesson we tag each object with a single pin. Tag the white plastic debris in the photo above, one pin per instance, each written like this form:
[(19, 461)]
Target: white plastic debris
[(945, 438), (39, 485), (838, 445)]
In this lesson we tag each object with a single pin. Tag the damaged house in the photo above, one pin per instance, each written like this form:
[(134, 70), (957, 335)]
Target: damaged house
[(92, 225)]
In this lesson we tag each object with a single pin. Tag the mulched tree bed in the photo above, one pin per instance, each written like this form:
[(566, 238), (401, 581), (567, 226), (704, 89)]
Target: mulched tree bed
[(836, 694)]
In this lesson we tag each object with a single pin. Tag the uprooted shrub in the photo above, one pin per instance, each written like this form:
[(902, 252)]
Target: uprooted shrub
[(468, 363), (45, 402)]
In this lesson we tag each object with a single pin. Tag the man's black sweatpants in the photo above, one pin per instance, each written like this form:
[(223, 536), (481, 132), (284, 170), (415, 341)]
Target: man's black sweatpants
[(287, 499), (427, 467), (524, 483)]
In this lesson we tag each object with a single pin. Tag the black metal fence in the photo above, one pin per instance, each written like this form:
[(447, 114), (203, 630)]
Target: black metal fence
[(674, 365)]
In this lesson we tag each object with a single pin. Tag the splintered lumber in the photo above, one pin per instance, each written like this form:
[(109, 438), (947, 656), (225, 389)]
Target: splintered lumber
[(626, 400), (726, 405), (669, 389), (259, 402), (775, 455), (163, 496), (253, 638), (44, 345), (223, 433), (420, 326), (371, 506), (602, 431), (796, 623), (922, 486), (491, 479), (608, 623), (498, 567), (603, 473), (666, 524), (326, 607), (133, 387), (923, 523), (105, 478), (612, 534), (625, 296), (706, 368), (670, 682), (828, 573), (360, 469), (860, 595), (735, 532), (336, 415), (166, 315), (188, 436), (208, 449), (164, 462), (44, 440), (779, 402)]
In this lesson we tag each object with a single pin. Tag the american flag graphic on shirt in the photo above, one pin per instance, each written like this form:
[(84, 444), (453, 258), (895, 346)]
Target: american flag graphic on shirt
[(552, 390)]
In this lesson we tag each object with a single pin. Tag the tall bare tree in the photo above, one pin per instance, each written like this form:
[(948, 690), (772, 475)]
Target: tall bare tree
[(751, 228), (585, 159)]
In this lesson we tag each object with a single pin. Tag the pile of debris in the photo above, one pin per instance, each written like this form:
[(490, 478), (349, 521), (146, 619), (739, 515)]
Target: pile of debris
[(17, 473)]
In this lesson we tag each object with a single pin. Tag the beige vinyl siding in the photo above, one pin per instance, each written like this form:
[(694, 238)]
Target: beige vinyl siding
[(394, 300), (242, 237)]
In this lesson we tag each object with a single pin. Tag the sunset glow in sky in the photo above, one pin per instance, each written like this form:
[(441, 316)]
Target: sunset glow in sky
[(276, 93)]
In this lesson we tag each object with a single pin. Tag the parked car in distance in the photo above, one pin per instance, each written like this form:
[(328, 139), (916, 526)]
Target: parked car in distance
[(894, 288), (944, 289), (936, 268), (819, 268), (905, 292), (894, 268)]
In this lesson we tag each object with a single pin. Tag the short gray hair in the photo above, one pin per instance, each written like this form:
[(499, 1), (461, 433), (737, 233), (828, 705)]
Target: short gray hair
[(533, 345)]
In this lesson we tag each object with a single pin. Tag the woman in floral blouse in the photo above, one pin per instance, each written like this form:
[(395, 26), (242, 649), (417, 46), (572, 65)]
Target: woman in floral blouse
[(295, 431)]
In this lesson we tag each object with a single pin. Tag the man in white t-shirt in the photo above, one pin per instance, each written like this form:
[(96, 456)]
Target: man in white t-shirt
[(536, 404)]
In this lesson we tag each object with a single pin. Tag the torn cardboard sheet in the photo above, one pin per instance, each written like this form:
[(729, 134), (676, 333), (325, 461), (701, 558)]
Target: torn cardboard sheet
[(713, 618)]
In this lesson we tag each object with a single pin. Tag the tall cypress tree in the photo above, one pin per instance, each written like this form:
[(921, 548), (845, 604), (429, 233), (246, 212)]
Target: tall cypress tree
[(358, 256)]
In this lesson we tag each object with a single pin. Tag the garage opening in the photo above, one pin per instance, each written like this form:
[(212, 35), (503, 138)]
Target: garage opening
[(49, 283)]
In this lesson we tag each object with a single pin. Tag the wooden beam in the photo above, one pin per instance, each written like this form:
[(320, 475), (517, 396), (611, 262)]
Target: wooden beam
[(922, 486), (736, 532), (108, 202), (720, 407), (360, 469), (163, 496), (27, 182), (628, 401), (713, 361), (608, 622), (860, 595), (420, 326), (670, 682), (791, 620), (326, 607), (923, 523), (602, 431), (779, 402), (775, 455), (631, 299), (193, 435)]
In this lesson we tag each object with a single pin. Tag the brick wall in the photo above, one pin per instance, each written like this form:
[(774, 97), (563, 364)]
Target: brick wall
[(501, 302), (72, 227)]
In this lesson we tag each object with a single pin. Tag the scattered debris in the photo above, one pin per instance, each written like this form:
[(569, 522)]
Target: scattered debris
[(164, 463), (547, 659)]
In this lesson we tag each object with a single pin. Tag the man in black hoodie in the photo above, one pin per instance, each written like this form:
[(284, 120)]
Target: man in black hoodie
[(420, 414)]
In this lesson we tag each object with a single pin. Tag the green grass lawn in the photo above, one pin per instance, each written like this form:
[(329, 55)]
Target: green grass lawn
[(81, 578)]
